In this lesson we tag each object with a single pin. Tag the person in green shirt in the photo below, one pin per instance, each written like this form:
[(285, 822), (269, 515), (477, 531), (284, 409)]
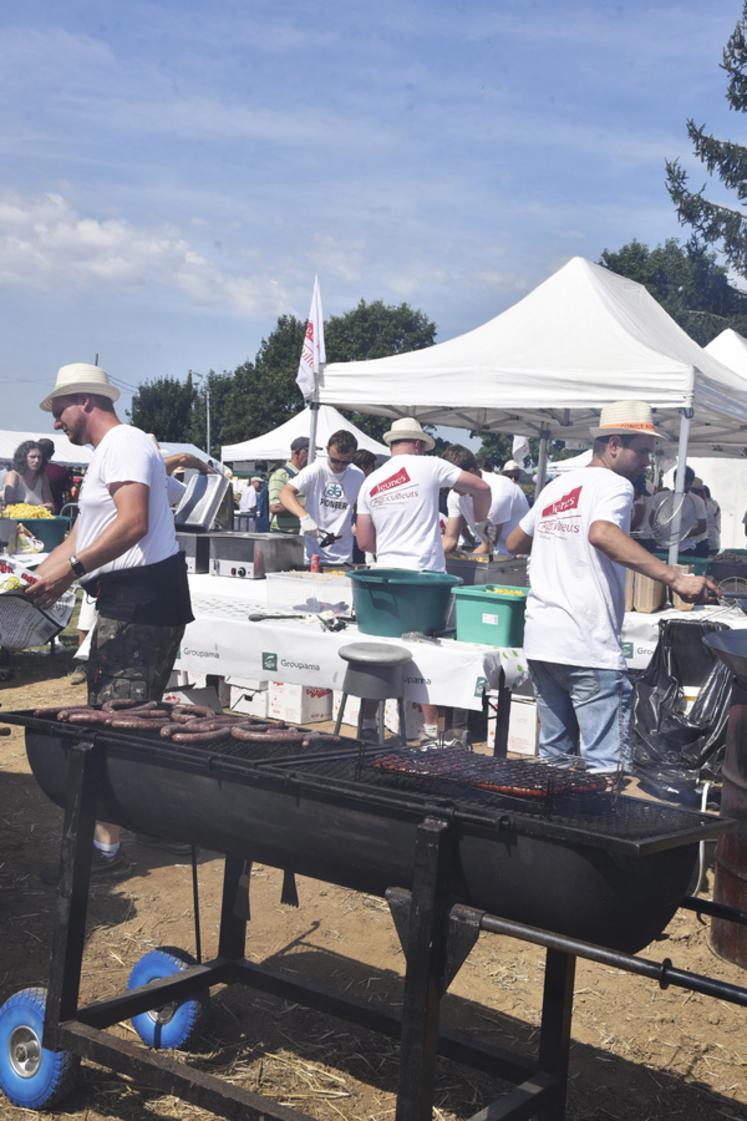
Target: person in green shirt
[(281, 521)]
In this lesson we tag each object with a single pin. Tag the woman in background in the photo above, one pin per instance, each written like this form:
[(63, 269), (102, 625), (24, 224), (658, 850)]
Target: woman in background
[(27, 480)]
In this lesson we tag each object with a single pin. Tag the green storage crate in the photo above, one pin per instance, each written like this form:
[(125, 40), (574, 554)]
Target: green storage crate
[(491, 613)]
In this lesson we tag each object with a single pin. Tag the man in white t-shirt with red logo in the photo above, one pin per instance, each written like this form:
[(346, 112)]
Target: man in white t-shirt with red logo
[(398, 503), (398, 516), (578, 534)]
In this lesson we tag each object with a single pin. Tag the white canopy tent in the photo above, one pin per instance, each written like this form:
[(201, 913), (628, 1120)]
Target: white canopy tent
[(583, 338), (276, 444), (727, 478), (65, 453)]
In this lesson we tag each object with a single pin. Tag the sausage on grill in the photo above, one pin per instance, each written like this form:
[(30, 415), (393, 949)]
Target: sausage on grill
[(214, 736), (252, 735), (116, 704)]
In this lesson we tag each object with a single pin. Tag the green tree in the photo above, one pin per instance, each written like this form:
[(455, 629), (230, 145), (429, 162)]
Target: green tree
[(687, 281), (374, 330), (714, 224), (258, 396), (164, 406)]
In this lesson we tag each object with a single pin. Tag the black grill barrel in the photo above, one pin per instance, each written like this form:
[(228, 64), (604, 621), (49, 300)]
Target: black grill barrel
[(605, 868)]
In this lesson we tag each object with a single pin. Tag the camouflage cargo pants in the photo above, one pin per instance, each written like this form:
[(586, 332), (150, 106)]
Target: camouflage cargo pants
[(130, 661)]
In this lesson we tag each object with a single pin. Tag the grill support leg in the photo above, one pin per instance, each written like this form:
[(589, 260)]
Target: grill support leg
[(555, 1032), (81, 781), (502, 717), (425, 953), (234, 910)]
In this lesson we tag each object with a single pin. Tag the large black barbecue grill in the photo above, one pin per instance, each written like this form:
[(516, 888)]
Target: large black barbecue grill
[(457, 843)]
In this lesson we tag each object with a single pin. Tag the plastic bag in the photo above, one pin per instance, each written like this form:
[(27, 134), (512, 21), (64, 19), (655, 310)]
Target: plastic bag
[(674, 750), (26, 542)]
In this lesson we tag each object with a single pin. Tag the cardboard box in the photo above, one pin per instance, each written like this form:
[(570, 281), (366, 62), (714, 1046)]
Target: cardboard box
[(249, 702), (648, 595), (681, 604), (352, 708), (523, 727), (413, 714), (207, 696), (298, 704)]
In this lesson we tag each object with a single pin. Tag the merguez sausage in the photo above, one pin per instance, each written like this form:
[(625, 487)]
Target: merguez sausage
[(213, 736), (252, 735), (114, 705)]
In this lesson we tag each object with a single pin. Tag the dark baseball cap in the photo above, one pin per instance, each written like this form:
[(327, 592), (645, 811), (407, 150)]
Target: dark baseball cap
[(300, 443)]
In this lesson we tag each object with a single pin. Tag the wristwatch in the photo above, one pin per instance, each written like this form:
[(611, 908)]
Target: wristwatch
[(77, 566)]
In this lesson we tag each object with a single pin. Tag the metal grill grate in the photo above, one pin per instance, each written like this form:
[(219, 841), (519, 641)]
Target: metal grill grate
[(606, 815), (521, 779)]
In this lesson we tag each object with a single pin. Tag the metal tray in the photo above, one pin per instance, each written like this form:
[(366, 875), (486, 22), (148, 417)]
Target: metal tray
[(511, 571), (206, 503)]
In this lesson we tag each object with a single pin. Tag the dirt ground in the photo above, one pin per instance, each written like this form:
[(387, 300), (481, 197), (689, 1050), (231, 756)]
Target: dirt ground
[(639, 1053)]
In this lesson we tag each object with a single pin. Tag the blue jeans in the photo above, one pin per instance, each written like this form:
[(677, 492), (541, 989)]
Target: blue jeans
[(583, 711)]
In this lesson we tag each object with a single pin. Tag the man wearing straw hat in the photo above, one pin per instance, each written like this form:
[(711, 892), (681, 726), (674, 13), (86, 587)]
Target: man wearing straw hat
[(123, 549), (398, 515), (578, 534)]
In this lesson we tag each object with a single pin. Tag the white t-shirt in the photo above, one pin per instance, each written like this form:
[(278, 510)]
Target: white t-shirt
[(461, 506), (401, 498), (508, 504), (248, 500), (175, 490), (576, 599), (330, 500), (126, 455)]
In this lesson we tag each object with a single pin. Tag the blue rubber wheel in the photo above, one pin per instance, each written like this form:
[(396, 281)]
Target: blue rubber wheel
[(31, 1076), (174, 1025)]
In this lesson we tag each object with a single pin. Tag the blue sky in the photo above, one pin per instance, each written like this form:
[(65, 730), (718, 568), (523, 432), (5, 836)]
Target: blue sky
[(173, 174)]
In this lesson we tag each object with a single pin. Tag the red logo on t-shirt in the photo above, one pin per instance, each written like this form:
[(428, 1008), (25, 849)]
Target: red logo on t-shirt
[(567, 502), (397, 480)]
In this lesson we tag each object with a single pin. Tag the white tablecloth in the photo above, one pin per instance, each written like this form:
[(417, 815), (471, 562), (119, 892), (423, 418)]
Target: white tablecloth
[(223, 641), (640, 632)]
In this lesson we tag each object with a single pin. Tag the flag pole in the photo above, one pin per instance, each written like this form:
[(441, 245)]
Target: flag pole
[(311, 365), (313, 404)]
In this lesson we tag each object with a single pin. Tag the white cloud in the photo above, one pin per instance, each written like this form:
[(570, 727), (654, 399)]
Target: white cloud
[(46, 245)]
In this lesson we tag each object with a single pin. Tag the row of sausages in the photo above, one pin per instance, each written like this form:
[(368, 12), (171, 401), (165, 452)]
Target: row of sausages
[(185, 723)]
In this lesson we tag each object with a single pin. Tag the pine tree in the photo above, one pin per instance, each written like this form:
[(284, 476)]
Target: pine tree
[(720, 226)]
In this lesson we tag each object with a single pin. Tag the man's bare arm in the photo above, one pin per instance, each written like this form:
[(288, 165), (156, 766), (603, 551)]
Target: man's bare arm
[(127, 528), (480, 491), (365, 533)]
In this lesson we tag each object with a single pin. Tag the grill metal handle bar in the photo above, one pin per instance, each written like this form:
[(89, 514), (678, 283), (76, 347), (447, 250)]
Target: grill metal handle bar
[(663, 972), (715, 910)]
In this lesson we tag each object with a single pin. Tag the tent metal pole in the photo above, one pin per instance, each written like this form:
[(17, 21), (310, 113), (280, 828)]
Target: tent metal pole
[(679, 483), (542, 461), (314, 407)]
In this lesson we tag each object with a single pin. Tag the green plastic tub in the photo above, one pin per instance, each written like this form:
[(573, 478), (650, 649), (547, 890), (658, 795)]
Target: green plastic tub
[(50, 531), (392, 601), (493, 614)]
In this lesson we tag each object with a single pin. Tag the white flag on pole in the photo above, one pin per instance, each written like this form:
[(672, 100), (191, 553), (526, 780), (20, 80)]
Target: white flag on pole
[(313, 355), (520, 449)]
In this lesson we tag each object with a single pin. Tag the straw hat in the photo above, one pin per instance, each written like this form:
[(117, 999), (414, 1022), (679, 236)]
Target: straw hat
[(407, 428), (80, 377), (626, 418), (511, 465)]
